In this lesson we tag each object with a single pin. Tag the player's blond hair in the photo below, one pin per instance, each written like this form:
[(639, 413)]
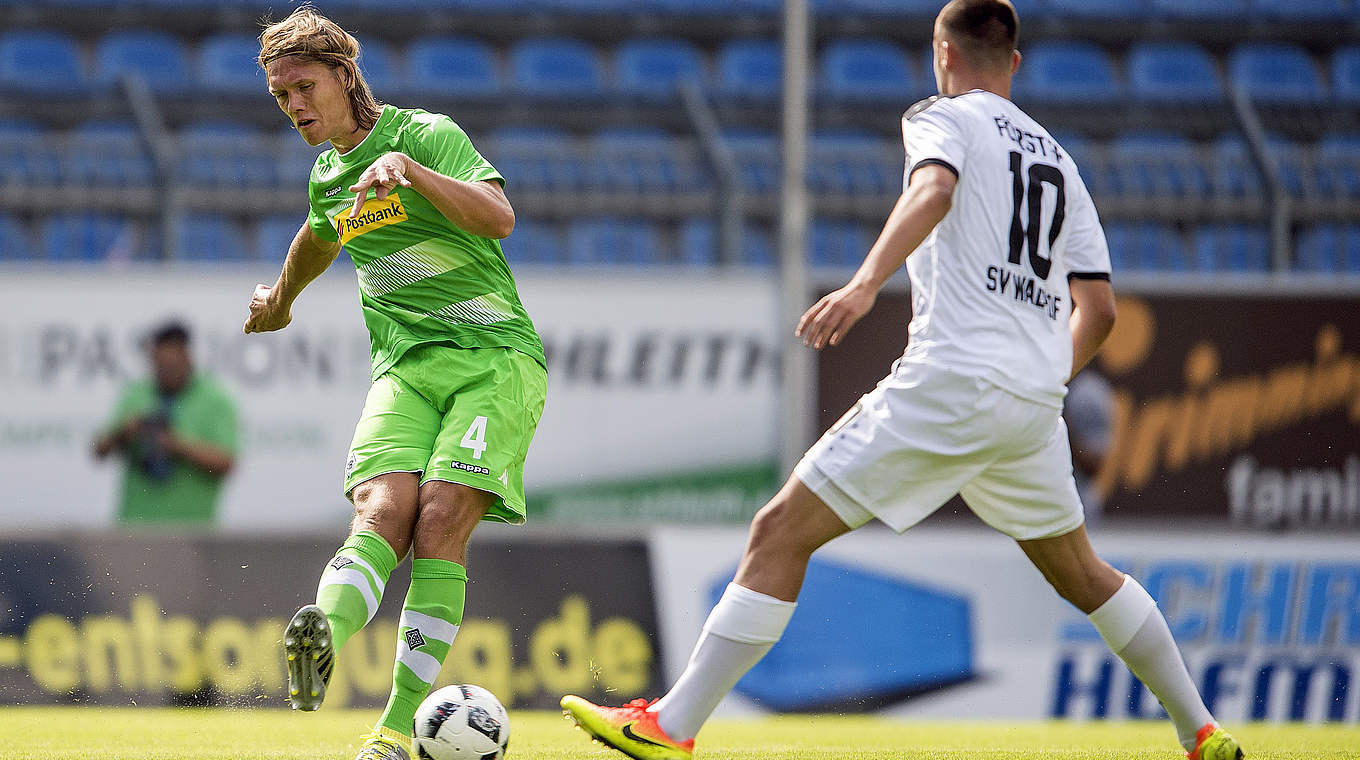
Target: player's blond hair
[(312, 37)]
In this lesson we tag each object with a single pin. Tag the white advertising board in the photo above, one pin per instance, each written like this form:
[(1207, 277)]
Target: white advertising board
[(649, 375), (1269, 626)]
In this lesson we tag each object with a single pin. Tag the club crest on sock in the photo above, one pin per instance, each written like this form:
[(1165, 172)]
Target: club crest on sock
[(341, 561), (414, 638)]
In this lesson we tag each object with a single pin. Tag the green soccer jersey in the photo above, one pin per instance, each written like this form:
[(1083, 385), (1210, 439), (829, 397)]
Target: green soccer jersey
[(421, 278)]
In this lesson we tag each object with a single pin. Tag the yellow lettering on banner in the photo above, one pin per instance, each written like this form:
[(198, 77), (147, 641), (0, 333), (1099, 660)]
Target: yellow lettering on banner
[(146, 621), (482, 654), (11, 652), (559, 649), (52, 653), (1215, 416), (109, 653), (266, 657), (624, 655), (225, 645), (179, 642), (367, 664), (374, 214), (153, 653)]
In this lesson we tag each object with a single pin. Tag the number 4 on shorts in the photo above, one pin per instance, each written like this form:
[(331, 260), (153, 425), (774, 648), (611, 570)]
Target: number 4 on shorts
[(475, 437)]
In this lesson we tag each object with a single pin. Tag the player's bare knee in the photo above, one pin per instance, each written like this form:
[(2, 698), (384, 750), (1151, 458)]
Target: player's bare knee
[(776, 529)]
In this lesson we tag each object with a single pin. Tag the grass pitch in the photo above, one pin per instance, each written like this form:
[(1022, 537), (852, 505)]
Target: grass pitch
[(88, 733)]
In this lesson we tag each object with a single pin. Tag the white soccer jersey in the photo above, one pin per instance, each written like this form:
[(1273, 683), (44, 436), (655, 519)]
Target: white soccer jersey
[(989, 285)]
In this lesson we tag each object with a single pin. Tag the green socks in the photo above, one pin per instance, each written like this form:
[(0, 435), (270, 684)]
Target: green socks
[(429, 621), (353, 582)]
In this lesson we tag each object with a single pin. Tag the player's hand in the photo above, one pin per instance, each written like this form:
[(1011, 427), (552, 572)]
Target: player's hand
[(827, 322), (385, 174), (266, 313)]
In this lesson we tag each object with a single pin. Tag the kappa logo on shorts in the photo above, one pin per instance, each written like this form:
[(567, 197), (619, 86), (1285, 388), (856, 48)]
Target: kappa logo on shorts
[(415, 639), (472, 468), (340, 562), (351, 462)]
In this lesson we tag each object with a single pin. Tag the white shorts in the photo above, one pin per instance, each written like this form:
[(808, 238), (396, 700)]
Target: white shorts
[(925, 434)]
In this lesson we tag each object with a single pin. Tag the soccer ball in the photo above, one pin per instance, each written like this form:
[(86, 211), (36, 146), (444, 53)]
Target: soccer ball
[(461, 722)]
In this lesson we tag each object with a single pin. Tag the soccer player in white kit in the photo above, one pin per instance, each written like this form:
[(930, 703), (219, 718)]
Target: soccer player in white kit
[(1011, 296)]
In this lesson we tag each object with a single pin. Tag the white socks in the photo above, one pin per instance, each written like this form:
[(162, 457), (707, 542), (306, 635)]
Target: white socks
[(1135, 630), (742, 627)]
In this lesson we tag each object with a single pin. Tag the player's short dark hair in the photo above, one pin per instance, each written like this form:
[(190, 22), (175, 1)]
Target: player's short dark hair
[(172, 332), (987, 31)]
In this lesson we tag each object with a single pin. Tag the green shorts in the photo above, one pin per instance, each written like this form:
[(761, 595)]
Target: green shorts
[(453, 414)]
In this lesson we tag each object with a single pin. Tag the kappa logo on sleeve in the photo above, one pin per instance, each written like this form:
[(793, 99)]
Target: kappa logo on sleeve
[(372, 215)]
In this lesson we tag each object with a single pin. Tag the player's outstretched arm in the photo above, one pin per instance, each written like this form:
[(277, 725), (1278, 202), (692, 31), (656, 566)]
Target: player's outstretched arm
[(926, 201), (271, 306), (480, 208), (1092, 319)]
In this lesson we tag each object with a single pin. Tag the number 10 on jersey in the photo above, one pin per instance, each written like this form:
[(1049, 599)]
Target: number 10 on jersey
[(1023, 233)]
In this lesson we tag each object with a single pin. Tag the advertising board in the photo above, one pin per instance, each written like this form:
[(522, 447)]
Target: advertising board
[(955, 623), (108, 620)]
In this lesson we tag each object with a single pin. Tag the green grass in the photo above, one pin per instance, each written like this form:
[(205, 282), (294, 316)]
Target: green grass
[(68, 733)]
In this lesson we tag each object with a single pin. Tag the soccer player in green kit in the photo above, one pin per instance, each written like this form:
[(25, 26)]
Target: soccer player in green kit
[(459, 376)]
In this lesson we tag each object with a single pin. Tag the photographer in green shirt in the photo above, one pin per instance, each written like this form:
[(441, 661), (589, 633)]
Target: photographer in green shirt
[(176, 431)]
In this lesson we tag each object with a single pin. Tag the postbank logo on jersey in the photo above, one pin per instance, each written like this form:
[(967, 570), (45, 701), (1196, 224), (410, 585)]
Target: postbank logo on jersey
[(372, 215)]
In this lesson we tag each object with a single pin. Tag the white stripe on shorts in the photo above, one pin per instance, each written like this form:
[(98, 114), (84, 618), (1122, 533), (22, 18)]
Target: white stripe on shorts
[(430, 627)]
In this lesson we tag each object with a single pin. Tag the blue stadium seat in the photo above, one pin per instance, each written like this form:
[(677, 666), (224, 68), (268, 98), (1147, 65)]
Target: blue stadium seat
[(28, 155), (839, 243), (210, 237), (158, 58), (1232, 172), (226, 154), (90, 237), (15, 242), (1328, 249), (1304, 10), (1231, 248), (1146, 247), (555, 67), (657, 68), (1068, 72), (294, 157), (1095, 8), (698, 242), (750, 69), (452, 66), (1200, 9), (1157, 164), (42, 62), (380, 65), (1346, 73), (1172, 71), (229, 63), (107, 153), (757, 157), (274, 234), (534, 242), (917, 8), (867, 70), (1276, 71), (645, 160), (1338, 164), (542, 159), (855, 163), (609, 240)]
